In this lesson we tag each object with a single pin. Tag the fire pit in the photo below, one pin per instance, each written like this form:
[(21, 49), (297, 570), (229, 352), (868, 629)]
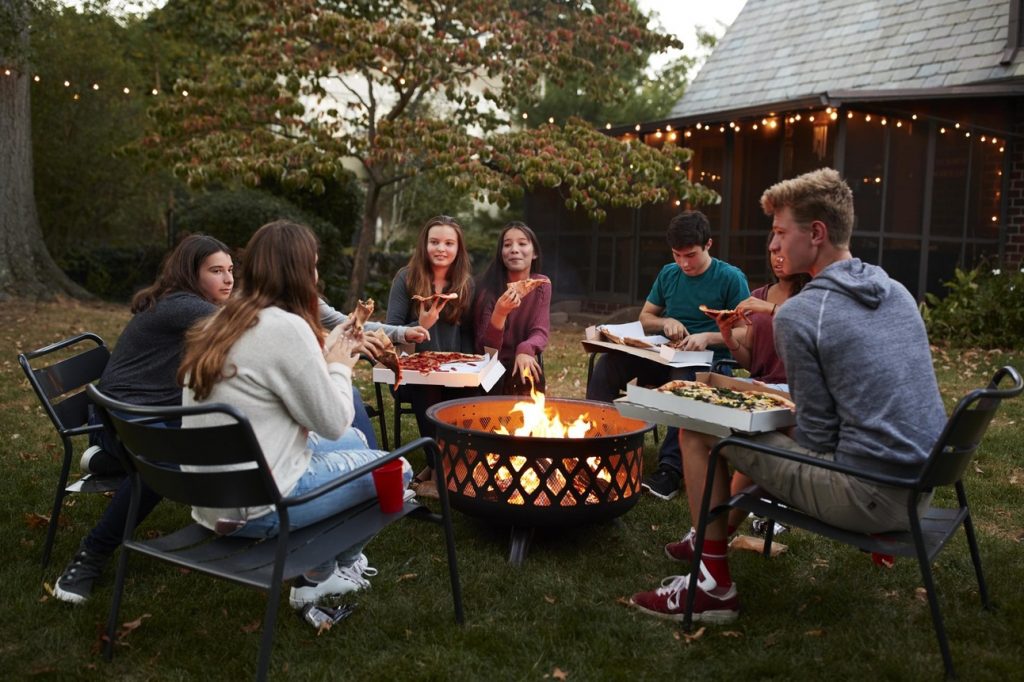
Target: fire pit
[(531, 481)]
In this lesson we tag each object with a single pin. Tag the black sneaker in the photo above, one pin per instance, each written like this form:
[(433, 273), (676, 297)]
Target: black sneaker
[(663, 483), (75, 584)]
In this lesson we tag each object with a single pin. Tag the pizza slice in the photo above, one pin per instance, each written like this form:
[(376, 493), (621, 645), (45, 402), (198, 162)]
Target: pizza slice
[(722, 315), (636, 343), (434, 297), (388, 355), (360, 315), (608, 336), (525, 286)]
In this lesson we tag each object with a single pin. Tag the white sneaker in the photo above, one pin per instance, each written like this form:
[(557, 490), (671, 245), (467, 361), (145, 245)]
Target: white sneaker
[(362, 564), (343, 580)]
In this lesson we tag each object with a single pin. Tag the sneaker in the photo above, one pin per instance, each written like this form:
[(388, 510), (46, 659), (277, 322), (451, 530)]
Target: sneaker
[(682, 550), (75, 584), (362, 564), (96, 460), (663, 483), (343, 580), (712, 604)]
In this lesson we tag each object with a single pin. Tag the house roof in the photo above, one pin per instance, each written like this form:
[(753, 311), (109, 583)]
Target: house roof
[(784, 50)]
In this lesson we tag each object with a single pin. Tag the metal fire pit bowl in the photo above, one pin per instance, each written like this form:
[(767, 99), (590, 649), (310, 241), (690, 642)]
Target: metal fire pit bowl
[(530, 482)]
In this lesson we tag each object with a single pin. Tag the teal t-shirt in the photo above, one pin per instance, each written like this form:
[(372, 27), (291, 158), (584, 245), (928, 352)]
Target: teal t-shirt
[(721, 286)]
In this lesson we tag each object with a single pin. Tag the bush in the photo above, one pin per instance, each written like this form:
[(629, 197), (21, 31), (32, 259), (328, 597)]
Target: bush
[(234, 215), (983, 308), (111, 272)]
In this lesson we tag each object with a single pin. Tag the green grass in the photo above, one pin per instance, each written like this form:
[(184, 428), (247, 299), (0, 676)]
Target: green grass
[(820, 610)]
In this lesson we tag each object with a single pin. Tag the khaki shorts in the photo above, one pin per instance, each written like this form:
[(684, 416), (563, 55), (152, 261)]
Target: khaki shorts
[(834, 497)]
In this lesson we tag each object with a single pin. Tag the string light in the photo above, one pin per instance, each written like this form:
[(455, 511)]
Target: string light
[(551, 119), (35, 78)]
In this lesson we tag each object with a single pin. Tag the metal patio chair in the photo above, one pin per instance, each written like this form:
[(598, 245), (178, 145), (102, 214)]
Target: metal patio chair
[(928, 534), (223, 466), (58, 385)]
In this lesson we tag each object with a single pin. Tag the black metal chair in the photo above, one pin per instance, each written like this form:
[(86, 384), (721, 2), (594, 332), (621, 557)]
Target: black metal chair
[(223, 466), (928, 533), (59, 388)]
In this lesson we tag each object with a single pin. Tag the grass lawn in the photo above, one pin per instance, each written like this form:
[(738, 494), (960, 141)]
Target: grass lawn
[(821, 610)]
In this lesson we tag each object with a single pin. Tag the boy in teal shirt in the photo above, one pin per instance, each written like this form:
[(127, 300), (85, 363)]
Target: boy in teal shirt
[(672, 309)]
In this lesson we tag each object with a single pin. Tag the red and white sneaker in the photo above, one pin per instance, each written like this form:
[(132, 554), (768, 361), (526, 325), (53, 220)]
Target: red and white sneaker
[(712, 604), (682, 550)]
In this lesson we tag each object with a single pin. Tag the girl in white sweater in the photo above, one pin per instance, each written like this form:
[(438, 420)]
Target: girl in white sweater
[(265, 353)]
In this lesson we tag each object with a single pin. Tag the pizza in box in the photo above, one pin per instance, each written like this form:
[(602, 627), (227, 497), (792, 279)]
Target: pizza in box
[(748, 401)]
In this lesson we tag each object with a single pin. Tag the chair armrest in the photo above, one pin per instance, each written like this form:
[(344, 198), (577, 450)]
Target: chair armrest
[(427, 443), (858, 472)]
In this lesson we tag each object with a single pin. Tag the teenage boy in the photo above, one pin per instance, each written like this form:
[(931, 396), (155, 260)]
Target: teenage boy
[(672, 309), (860, 372)]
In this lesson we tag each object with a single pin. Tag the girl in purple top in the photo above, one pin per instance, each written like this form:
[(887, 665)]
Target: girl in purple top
[(517, 326)]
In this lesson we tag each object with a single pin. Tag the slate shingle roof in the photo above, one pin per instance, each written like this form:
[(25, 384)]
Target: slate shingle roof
[(783, 50)]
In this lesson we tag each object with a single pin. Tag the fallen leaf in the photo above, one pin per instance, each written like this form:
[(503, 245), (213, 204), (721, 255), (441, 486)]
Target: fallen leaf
[(48, 588), (35, 521), (655, 526), (818, 632), (820, 563), (977, 469), (731, 633), (559, 674), (677, 635), (692, 637), (406, 576), (550, 600), (324, 627), (921, 593), (252, 627), (623, 601)]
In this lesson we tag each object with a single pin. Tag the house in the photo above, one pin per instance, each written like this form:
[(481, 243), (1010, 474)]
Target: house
[(919, 104)]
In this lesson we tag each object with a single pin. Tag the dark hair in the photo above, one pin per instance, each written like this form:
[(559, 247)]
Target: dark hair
[(494, 279), (179, 270), (689, 228), (278, 269), (420, 278)]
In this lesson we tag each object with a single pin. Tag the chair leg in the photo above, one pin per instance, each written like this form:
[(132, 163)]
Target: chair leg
[(58, 502), (269, 623), (449, 541), (115, 604), (398, 423), (972, 543), (769, 536), (933, 599)]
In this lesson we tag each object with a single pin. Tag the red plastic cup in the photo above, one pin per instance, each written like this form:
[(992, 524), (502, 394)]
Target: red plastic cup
[(387, 480)]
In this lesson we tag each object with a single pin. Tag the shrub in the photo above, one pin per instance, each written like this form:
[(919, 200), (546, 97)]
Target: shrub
[(983, 308), (113, 273)]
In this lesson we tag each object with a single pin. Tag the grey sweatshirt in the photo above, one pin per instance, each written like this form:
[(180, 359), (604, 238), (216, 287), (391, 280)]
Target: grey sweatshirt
[(859, 367)]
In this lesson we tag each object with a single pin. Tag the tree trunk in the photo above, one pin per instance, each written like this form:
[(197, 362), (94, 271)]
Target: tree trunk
[(26, 267), (361, 259)]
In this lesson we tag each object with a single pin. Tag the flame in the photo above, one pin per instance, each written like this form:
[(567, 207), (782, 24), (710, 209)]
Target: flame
[(542, 422)]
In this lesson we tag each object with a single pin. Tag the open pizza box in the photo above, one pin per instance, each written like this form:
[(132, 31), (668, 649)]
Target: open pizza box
[(658, 352), (485, 373), (664, 408)]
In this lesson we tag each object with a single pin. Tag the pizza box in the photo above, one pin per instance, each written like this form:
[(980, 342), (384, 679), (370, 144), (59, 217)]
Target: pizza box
[(656, 406), (485, 373), (592, 342)]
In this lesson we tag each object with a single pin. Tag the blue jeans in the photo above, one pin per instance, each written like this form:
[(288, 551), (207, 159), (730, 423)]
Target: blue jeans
[(331, 459)]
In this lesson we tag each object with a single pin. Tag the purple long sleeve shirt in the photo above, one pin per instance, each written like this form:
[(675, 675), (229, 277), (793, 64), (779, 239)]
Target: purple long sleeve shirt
[(526, 327)]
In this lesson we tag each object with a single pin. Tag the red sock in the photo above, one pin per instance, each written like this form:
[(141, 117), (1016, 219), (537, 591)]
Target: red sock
[(715, 560)]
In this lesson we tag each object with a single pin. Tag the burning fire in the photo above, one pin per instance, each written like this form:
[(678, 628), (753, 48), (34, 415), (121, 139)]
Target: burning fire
[(540, 422)]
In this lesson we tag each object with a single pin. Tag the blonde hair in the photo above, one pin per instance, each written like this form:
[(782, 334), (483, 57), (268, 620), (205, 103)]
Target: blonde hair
[(278, 269), (819, 195)]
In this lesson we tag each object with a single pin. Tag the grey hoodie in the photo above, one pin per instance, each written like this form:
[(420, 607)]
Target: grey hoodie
[(859, 367)]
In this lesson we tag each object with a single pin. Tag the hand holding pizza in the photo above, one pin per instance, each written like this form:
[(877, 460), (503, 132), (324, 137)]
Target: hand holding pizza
[(755, 305), (507, 302), (342, 347), (431, 307)]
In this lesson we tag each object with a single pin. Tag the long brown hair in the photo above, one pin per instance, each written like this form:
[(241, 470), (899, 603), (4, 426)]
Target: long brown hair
[(278, 269), (179, 270), (420, 279), (493, 281)]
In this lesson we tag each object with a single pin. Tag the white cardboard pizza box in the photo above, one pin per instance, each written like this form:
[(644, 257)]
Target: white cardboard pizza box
[(686, 358), (672, 410), (485, 373), (592, 341)]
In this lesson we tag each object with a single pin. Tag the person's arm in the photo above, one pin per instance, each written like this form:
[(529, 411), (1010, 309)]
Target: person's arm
[(817, 419), (486, 335), (330, 317), (654, 323), (537, 314), (399, 303)]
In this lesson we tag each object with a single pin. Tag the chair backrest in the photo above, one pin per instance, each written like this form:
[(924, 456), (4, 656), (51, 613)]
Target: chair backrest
[(965, 428), (208, 466), (58, 386)]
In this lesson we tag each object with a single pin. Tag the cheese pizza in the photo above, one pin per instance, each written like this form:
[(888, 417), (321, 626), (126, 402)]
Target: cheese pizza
[(388, 355), (429, 361), (435, 297), (360, 315), (525, 286), (750, 401)]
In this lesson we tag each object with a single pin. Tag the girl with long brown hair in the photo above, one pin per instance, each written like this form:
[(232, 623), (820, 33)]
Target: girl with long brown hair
[(265, 354), (440, 264)]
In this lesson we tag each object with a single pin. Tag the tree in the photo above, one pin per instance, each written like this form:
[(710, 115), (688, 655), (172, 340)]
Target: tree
[(312, 83), (26, 267)]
